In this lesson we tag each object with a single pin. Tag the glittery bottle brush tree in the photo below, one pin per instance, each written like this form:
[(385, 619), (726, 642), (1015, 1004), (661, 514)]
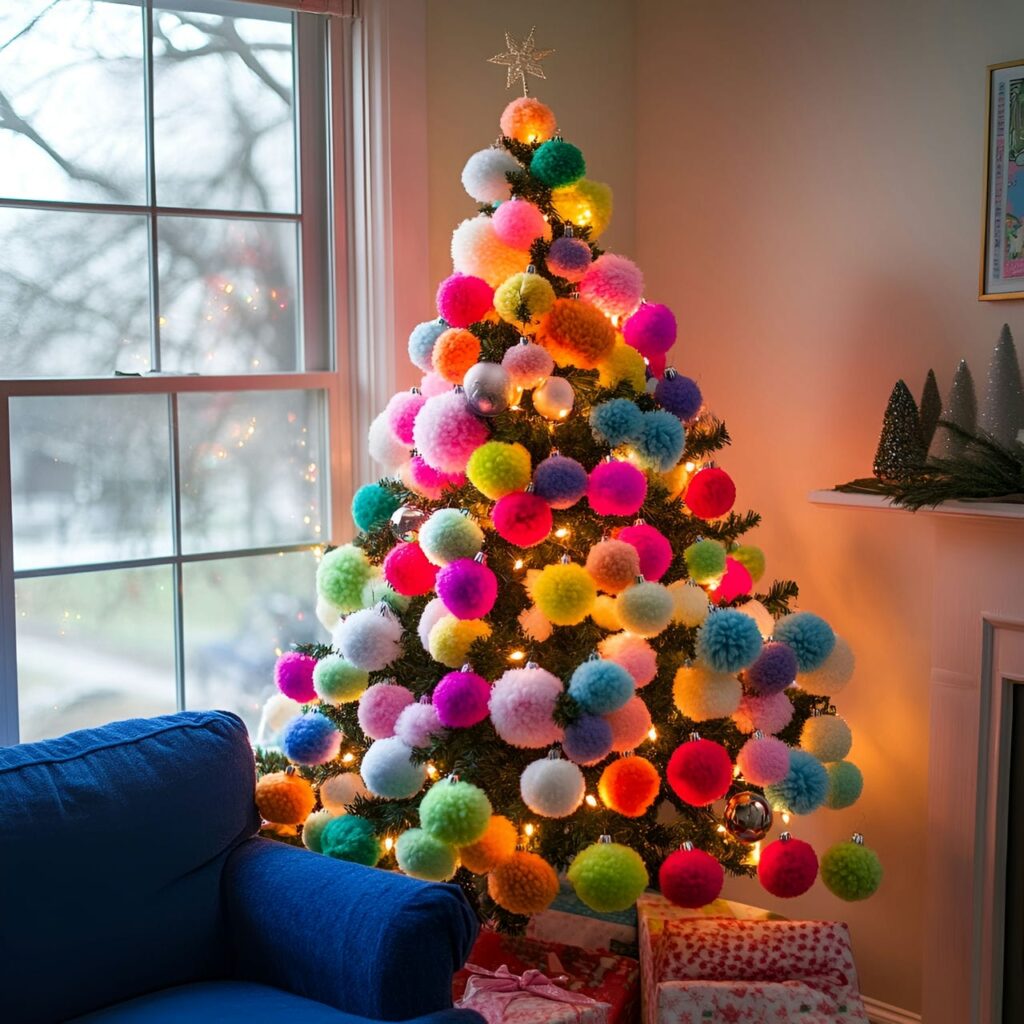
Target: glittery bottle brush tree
[(552, 649)]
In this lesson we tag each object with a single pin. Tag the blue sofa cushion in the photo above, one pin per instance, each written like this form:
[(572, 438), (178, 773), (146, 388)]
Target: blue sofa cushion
[(112, 843)]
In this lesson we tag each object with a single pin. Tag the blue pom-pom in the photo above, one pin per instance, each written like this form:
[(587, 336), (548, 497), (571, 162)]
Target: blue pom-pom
[(728, 641), (679, 395), (560, 481), (660, 440), (588, 739), (774, 669), (600, 687), (421, 342), (557, 163), (615, 422), (310, 739), (809, 635), (805, 787), (372, 506)]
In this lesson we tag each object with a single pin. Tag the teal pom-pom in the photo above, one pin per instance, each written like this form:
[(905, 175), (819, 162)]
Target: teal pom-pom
[(455, 812), (608, 877), (448, 535), (809, 635), (600, 687), (422, 856), (615, 422), (845, 784), (313, 830), (351, 838), (338, 681), (341, 576), (372, 506), (805, 787), (378, 589), (851, 871), (660, 441), (705, 561), (557, 163), (728, 641)]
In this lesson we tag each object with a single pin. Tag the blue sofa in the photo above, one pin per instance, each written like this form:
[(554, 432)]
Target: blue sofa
[(133, 888)]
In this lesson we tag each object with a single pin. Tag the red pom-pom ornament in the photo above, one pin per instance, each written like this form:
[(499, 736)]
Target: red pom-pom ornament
[(629, 786), (522, 518), (700, 771), (408, 570), (467, 588), (711, 493), (736, 582), (616, 489), (463, 299), (652, 546), (690, 878), (788, 867)]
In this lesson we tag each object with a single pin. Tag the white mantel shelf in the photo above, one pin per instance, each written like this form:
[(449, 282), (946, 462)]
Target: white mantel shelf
[(962, 509)]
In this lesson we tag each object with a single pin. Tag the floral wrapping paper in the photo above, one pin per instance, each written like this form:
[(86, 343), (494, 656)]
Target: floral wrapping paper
[(730, 1002)]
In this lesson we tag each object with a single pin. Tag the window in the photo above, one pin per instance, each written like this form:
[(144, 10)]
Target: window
[(169, 409)]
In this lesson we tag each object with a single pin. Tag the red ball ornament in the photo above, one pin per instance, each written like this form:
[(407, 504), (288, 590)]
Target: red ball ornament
[(522, 518), (700, 771), (407, 569), (711, 493), (690, 878), (788, 867), (736, 582), (651, 545)]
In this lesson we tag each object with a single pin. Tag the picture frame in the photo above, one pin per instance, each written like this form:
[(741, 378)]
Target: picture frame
[(1002, 235)]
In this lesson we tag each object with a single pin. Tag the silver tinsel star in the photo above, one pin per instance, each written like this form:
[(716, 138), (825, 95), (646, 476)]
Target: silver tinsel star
[(521, 58)]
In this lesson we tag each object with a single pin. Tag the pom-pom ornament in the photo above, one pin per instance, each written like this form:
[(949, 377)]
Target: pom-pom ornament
[(379, 708), (463, 299), (576, 334), (623, 365), (518, 223), (351, 838), (454, 353), (433, 612), (401, 412), (372, 507), (832, 674), (629, 786), (588, 740), (763, 618), (751, 558), (428, 482), (600, 686), (523, 298), (614, 284), (569, 258), (421, 343), (710, 493), (705, 561), (702, 694), (845, 785), (451, 638), (605, 613), (523, 884), (827, 737), (311, 739), (448, 535), (774, 669), (735, 583), (293, 674), (528, 365), (652, 547), (279, 710), (763, 760), (809, 635), (633, 653), (679, 395), (700, 771), (446, 432), (284, 798), (534, 625), (522, 707), (460, 699), (421, 855), (522, 518), (556, 163), (418, 725), (552, 787), (389, 772), (496, 845), (370, 639), (651, 330), (805, 787), (487, 388), (338, 792), (645, 608), (455, 812), (341, 575), (408, 570), (691, 603), (433, 384), (608, 877), (691, 878), (385, 449), (659, 443), (851, 871), (616, 422), (585, 203), (528, 120), (497, 468), (313, 830), (554, 399), (616, 489), (477, 250), (485, 175), (378, 589), (728, 641), (467, 588), (788, 867), (564, 593), (613, 565), (747, 817), (769, 714), (631, 725)]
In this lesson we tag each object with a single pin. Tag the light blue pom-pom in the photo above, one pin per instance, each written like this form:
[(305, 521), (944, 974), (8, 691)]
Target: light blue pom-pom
[(372, 506), (600, 687), (805, 787), (660, 440), (310, 739), (421, 342), (809, 635), (616, 422), (845, 784), (728, 641)]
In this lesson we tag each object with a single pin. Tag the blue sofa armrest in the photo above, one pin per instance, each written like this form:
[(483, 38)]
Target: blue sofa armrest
[(369, 942)]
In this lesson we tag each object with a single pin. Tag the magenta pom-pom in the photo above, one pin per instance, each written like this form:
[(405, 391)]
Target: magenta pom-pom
[(736, 582), (652, 546), (710, 493), (527, 366), (700, 772), (569, 258), (787, 867), (401, 414), (763, 760), (616, 489), (293, 674), (408, 570), (774, 670), (446, 432), (517, 223), (379, 708), (522, 518), (651, 330), (770, 714), (614, 284), (461, 699), (691, 878), (429, 482), (463, 299), (467, 587)]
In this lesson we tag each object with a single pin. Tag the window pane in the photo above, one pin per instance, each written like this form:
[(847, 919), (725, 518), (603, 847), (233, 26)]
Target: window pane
[(74, 293), (252, 469), (223, 95), (228, 295), (71, 126), (240, 613), (94, 647), (91, 479)]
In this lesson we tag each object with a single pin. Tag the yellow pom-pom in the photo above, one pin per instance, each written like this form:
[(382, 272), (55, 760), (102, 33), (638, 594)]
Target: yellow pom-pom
[(751, 558), (528, 120), (623, 363), (701, 694), (284, 798), (564, 593), (586, 203), (455, 351), (605, 613), (576, 334), (451, 638), (523, 884), (494, 847), (523, 298), (674, 480), (691, 607), (496, 469)]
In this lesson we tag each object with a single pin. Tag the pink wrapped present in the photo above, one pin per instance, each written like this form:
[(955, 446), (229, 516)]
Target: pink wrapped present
[(769, 1002), (502, 997)]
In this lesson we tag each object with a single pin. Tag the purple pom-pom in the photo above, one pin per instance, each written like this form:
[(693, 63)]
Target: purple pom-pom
[(569, 258), (310, 739), (560, 481), (651, 330), (467, 587), (679, 395), (588, 740), (379, 708), (460, 699), (463, 299), (417, 724), (293, 674), (774, 669)]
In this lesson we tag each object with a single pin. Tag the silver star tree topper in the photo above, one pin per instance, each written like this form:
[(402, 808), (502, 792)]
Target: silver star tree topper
[(521, 58)]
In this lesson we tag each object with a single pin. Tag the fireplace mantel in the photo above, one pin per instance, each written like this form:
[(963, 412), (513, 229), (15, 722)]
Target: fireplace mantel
[(958, 509)]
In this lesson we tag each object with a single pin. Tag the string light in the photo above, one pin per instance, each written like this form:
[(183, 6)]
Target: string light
[(721, 829), (652, 733), (690, 467), (529, 830), (785, 817), (348, 758), (432, 770), (518, 564), (755, 853), (517, 655), (561, 532), (591, 800), (388, 843)]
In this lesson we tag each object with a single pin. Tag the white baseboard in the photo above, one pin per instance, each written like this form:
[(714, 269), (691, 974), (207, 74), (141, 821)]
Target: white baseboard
[(885, 1013)]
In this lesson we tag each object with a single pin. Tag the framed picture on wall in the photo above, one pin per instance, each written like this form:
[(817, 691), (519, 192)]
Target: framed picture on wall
[(1002, 248)]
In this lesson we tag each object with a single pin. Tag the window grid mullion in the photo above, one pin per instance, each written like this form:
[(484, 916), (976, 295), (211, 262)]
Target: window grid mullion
[(155, 360), (8, 618), (177, 568)]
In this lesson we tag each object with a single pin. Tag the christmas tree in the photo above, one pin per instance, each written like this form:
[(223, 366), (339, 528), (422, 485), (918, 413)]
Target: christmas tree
[(901, 449), (552, 649)]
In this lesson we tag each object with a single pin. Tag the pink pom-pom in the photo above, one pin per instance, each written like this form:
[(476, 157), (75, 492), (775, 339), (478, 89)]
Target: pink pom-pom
[(522, 706), (633, 653), (446, 433), (467, 587), (429, 618), (763, 760), (463, 299), (569, 258), (616, 489), (418, 724), (614, 284), (408, 570), (522, 518), (691, 878), (433, 384), (518, 223), (461, 699), (379, 708), (736, 582), (293, 674), (527, 366), (710, 493), (427, 481), (651, 330), (770, 714), (787, 867), (630, 725), (401, 412), (652, 546)]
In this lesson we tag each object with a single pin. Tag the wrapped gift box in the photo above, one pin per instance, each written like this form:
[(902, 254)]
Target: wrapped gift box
[(772, 1002), (571, 921)]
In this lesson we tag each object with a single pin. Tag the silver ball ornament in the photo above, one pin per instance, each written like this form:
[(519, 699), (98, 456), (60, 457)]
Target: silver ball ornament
[(406, 521), (487, 387), (748, 817)]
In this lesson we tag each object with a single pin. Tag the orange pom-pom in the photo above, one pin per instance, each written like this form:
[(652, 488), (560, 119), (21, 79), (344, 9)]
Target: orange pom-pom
[(494, 847), (284, 798), (528, 120), (576, 334), (524, 884), (629, 786), (455, 351), (613, 565)]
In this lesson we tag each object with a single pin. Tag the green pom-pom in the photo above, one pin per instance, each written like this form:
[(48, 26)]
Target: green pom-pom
[(851, 871), (341, 576), (751, 558), (351, 838), (378, 589), (338, 681), (705, 561), (422, 856), (608, 877), (372, 506), (496, 469), (455, 812), (557, 163), (845, 784), (313, 830), (449, 535)]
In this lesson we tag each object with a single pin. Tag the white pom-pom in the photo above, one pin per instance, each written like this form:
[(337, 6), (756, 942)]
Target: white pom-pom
[(368, 639), (327, 614), (389, 772), (384, 447), (827, 737), (522, 704), (833, 674), (764, 618), (484, 176), (701, 694), (477, 250), (552, 788), (337, 792), (691, 604), (535, 624), (279, 710), (431, 615)]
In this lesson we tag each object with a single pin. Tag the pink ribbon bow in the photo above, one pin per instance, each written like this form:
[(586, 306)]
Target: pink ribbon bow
[(490, 992)]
